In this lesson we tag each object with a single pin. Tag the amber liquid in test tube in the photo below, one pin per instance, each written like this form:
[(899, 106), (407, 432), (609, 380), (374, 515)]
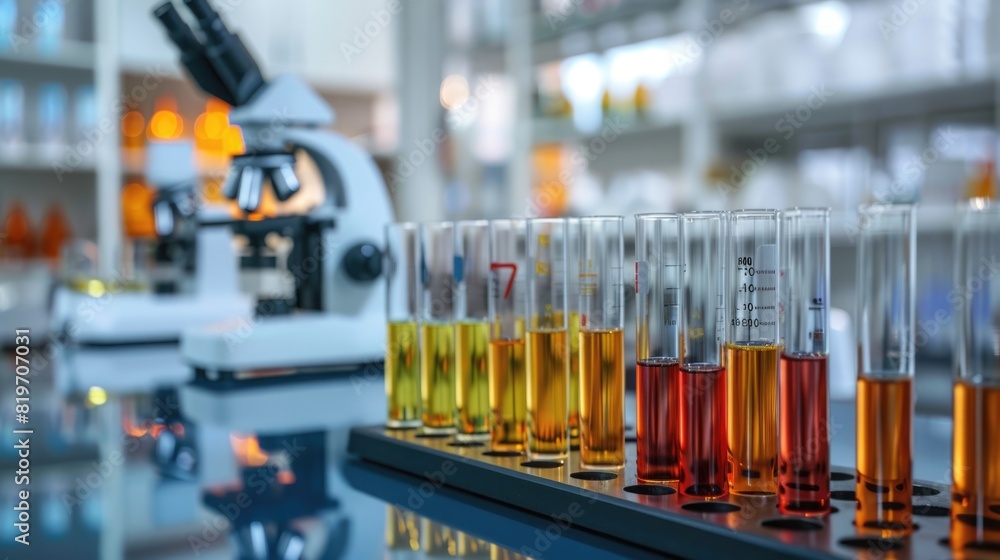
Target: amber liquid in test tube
[(573, 302), (885, 286), (702, 383), (437, 328), (472, 334), (804, 454), (752, 351), (975, 508), (508, 374), (402, 364), (657, 346), (602, 342), (547, 345)]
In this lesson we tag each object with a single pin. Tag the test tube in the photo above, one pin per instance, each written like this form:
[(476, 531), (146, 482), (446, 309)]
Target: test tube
[(472, 333), (602, 342), (885, 286), (508, 377), (702, 373), (573, 304), (752, 353), (547, 344), (804, 454), (437, 328), (402, 364), (975, 508), (657, 346)]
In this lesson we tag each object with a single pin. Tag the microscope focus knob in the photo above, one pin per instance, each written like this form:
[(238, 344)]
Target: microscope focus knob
[(363, 262)]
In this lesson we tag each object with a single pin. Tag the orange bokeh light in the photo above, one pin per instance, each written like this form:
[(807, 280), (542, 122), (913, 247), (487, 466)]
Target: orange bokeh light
[(137, 211), (232, 141), (133, 123), (165, 125)]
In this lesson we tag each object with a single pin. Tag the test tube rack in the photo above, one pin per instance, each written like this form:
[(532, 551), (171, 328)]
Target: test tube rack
[(656, 517)]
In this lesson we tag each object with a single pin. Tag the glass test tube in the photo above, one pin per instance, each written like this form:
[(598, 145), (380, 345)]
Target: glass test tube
[(472, 333), (547, 345), (573, 304), (602, 342), (437, 329), (702, 374), (975, 509), (752, 349), (804, 442), (885, 286), (657, 346), (508, 376), (402, 364)]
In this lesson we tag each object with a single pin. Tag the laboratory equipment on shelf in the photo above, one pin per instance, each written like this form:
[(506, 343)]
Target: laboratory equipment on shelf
[(657, 346), (602, 342), (123, 335), (336, 259), (702, 385), (472, 334), (886, 280), (975, 488), (25, 281), (402, 354), (752, 341), (437, 327), (102, 312), (804, 439), (508, 374), (547, 347)]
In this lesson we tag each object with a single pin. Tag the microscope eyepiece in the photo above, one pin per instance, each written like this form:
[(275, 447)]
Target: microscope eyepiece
[(193, 55), (177, 29), (221, 65), (209, 21), (232, 61)]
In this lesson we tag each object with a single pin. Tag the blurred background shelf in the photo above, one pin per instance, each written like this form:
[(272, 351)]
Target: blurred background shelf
[(550, 130), (956, 94), (71, 55), (44, 158)]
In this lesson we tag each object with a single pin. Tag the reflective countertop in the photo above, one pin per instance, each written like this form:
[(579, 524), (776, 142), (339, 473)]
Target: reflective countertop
[(112, 476)]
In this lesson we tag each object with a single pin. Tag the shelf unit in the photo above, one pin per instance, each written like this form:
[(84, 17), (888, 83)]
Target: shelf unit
[(42, 174), (72, 55), (36, 157), (710, 124)]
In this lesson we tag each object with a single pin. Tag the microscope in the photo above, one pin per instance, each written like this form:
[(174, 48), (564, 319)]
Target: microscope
[(338, 304), (123, 339), (312, 359)]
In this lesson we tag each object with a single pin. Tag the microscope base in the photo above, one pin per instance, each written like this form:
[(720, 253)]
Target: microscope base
[(293, 403)]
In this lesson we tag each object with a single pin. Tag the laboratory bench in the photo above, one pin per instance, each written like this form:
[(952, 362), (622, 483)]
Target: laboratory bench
[(110, 495)]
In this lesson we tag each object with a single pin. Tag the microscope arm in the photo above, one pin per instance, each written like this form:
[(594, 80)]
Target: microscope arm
[(358, 200)]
